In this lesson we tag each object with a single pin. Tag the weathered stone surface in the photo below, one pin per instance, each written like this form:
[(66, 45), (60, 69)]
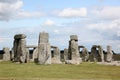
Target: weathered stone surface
[(109, 54), (12, 55), (101, 53), (19, 36), (65, 54), (44, 52), (34, 55), (74, 37), (85, 55), (6, 55), (43, 37), (73, 52), (19, 48), (77, 61), (27, 55), (56, 58), (74, 49), (98, 55)]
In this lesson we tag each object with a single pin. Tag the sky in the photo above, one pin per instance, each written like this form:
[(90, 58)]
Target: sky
[(96, 22)]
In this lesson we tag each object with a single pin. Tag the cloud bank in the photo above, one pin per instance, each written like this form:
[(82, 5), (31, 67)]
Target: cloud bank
[(12, 9), (93, 25)]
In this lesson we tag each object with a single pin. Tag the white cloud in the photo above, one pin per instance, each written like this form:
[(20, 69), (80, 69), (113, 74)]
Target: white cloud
[(73, 13), (3, 39), (106, 25), (107, 12), (9, 8), (48, 23), (12, 9), (24, 14)]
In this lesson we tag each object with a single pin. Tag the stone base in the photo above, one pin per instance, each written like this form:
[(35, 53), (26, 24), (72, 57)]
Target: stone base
[(76, 61), (55, 61)]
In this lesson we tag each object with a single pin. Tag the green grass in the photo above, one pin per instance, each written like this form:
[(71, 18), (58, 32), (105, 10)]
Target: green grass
[(9, 70)]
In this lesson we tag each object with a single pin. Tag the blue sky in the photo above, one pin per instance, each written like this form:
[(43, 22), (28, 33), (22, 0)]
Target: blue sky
[(94, 21)]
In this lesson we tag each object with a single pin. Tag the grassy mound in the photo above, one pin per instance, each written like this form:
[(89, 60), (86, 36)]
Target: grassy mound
[(32, 71)]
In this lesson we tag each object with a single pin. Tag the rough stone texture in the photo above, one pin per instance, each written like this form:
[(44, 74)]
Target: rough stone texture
[(43, 37), (73, 52), (74, 37), (109, 54), (65, 54), (12, 55), (98, 55), (85, 55), (44, 52), (35, 55), (27, 55), (101, 53), (32, 54), (6, 55), (56, 58), (19, 48), (19, 36)]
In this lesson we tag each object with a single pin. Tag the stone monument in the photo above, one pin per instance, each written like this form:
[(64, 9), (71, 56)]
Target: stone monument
[(44, 52), (85, 55), (109, 54), (6, 55), (97, 53), (56, 56), (65, 54), (73, 52), (19, 48)]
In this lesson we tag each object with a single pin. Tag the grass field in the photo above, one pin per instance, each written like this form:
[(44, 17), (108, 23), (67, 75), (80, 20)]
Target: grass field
[(32, 71)]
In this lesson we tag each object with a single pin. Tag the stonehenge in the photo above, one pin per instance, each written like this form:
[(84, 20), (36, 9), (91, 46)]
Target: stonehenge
[(73, 52), (46, 53), (19, 48), (65, 54), (97, 53), (109, 54), (56, 55), (84, 54), (6, 55)]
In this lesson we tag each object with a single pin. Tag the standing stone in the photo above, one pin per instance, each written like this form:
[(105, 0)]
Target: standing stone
[(109, 54), (97, 53), (85, 54), (19, 48), (35, 55), (12, 55), (44, 52), (6, 55), (65, 54), (94, 54), (101, 53), (27, 55), (73, 56), (56, 58)]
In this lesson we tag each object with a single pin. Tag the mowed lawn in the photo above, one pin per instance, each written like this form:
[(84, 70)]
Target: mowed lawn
[(84, 71)]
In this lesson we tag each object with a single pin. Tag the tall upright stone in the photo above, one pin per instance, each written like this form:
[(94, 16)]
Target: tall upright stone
[(19, 48), (6, 55), (97, 53), (65, 54), (56, 56), (94, 54), (101, 53), (85, 54), (44, 52), (73, 56), (109, 54)]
